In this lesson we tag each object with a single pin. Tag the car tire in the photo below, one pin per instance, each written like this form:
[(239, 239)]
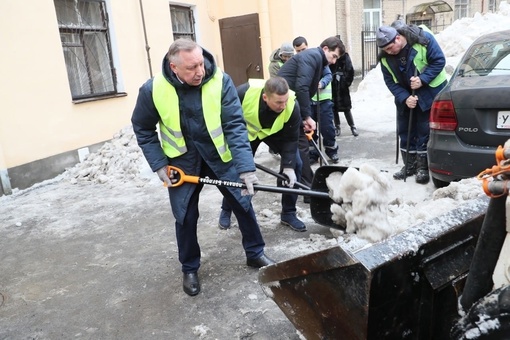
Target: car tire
[(487, 319), (439, 183)]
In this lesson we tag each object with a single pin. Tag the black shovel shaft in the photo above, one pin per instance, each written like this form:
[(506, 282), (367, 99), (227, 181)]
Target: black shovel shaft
[(280, 176), (321, 154), (409, 131), (280, 190)]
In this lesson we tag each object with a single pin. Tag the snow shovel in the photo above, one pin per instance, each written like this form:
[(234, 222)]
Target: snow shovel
[(413, 92), (280, 176), (183, 178), (320, 202), (321, 154)]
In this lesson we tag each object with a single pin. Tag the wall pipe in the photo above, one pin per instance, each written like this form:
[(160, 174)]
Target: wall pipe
[(147, 47)]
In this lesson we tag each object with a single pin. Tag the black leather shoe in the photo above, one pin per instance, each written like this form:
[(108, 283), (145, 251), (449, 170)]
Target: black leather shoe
[(190, 284), (260, 262)]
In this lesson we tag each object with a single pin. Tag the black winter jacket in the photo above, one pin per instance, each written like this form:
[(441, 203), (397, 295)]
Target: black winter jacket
[(303, 72), (343, 75)]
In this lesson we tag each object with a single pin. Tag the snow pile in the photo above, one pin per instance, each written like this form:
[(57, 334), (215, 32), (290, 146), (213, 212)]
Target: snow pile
[(118, 160), (456, 39), (362, 198)]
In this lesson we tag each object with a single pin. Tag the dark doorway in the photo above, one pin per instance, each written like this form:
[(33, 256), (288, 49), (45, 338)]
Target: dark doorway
[(240, 41)]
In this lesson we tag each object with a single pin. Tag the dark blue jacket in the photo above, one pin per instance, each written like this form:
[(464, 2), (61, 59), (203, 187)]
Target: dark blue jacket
[(401, 89), (303, 72), (200, 147)]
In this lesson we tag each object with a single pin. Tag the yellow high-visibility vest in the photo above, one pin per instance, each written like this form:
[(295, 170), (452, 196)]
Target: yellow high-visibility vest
[(167, 103), (251, 111)]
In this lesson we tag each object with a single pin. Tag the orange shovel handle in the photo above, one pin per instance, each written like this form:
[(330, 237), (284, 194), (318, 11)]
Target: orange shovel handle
[(183, 178)]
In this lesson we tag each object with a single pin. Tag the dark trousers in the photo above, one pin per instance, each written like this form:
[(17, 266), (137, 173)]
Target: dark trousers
[(325, 122), (304, 150), (420, 130), (348, 118), (288, 201), (186, 233)]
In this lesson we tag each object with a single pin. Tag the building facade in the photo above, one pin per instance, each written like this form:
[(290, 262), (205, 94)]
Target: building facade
[(358, 20), (71, 69)]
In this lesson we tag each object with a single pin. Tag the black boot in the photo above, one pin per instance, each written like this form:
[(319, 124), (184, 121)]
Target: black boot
[(411, 166), (422, 169), (332, 152), (350, 121), (354, 131)]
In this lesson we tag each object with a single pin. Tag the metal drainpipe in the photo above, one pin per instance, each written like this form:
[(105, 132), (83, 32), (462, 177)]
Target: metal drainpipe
[(147, 47)]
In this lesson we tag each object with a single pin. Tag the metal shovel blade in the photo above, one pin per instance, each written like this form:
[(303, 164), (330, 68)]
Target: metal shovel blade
[(320, 208)]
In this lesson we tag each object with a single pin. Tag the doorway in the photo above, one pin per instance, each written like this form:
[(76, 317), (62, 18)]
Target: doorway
[(240, 44)]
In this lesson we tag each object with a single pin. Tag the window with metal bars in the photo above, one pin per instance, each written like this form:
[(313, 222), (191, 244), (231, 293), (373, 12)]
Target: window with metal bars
[(183, 23), (84, 32)]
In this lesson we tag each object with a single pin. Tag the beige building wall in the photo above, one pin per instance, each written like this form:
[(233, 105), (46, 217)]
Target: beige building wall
[(39, 123)]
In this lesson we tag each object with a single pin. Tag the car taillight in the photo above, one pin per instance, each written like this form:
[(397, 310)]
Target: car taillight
[(442, 115)]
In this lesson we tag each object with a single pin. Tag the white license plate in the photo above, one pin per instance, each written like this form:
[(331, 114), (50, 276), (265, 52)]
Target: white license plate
[(503, 120)]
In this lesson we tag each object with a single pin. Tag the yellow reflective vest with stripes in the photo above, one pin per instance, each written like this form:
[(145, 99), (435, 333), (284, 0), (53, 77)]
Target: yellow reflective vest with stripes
[(167, 103), (251, 111)]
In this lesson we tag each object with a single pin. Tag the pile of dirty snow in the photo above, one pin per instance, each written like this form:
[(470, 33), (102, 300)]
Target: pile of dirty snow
[(118, 160)]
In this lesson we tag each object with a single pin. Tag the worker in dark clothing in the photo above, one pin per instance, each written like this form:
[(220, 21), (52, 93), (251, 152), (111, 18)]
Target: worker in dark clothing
[(202, 132), (272, 116), (303, 72), (412, 64), (343, 75)]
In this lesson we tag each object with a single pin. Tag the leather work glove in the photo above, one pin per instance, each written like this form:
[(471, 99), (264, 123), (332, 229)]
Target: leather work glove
[(165, 178), (291, 175), (249, 179)]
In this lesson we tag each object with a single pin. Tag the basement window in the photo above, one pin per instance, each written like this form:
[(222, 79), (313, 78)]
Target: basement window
[(85, 37)]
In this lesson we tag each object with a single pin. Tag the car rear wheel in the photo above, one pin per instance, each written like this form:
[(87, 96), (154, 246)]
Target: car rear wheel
[(439, 183), (487, 319)]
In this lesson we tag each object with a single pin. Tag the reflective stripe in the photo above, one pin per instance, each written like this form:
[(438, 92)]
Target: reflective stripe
[(176, 134), (251, 111), (173, 144), (167, 103), (324, 93)]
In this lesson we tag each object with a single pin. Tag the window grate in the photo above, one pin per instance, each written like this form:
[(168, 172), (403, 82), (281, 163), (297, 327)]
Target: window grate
[(183, 23), (84, 33)]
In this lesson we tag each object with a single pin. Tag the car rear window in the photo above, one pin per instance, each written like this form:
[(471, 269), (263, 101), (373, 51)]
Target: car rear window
[(486, 59)]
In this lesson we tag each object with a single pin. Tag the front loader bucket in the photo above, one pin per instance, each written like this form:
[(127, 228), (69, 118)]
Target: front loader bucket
[(405, 287)]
